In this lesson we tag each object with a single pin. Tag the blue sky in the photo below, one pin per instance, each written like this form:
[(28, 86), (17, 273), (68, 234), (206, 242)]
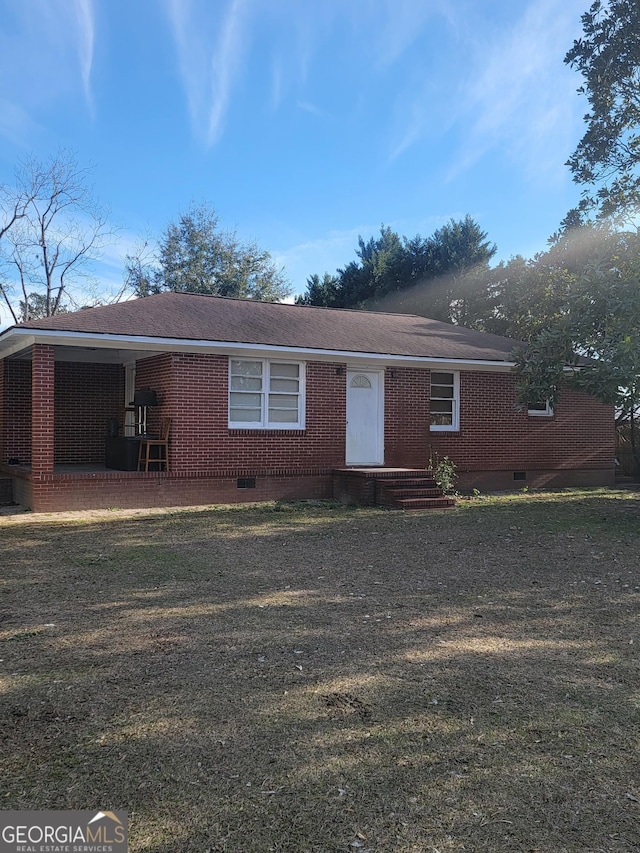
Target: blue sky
[(302, 122)]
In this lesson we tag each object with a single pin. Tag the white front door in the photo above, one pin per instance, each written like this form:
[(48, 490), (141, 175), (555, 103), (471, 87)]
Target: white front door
[(365, 417)]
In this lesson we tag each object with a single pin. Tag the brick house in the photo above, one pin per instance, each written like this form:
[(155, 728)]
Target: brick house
[(272, 401)]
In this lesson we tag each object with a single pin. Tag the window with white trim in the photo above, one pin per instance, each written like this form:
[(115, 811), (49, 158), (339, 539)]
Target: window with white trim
[(542, 409), (266, 394), (444, 402)]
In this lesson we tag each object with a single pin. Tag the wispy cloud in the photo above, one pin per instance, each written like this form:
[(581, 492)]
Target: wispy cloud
[(16, 125), (426, 81), (413, 119), (503, 86), (46, 54), (520, 97), (276, 84), (297, 32), (402, 23), (313, 110), (85, 40), (210, 48), (213, 40)]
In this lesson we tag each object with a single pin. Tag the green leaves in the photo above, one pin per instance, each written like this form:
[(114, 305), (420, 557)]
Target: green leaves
[(195, 256), (597, 331), (607, 158), (416, 275), (321, 291)]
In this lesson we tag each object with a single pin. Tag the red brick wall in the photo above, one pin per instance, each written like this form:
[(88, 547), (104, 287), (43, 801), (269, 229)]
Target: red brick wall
[(118, 489), (157, 374), (16, 423), (495, 436), (207, 457), (406, 395), (86, 396), (193, 390)]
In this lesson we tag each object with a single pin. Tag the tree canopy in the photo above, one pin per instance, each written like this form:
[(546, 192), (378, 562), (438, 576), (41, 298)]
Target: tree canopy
[(400, 274), (600, 319), (580, 299), (194, 256), (520, 297), (607, 157)]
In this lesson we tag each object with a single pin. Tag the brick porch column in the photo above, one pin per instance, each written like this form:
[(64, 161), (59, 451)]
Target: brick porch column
[(42, 412), (3, 415)]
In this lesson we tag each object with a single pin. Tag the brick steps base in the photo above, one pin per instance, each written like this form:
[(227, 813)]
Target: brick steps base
[(416, 492), (411, 492), (426, 482)]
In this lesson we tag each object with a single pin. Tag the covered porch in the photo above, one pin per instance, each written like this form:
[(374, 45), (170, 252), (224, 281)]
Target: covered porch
[(59, 404), (62, 409)]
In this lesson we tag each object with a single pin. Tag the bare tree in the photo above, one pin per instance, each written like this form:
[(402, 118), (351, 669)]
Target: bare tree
[(52, 229)]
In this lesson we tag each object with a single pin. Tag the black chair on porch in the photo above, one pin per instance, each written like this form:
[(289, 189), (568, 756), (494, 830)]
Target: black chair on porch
[(162, 443)]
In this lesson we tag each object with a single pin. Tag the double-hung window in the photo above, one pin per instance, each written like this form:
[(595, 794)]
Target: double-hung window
[(445, 401), (266, 394)]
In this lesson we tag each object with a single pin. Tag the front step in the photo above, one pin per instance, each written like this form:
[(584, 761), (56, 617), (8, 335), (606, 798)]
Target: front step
[(407, 482), (425, 503), (416, 492), (411, 492)]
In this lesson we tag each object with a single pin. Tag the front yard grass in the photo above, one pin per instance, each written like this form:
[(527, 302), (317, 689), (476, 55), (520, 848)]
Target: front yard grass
[(297, 678)]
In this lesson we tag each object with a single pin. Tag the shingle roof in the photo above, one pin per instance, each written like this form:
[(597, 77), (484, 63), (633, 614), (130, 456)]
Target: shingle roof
[(185, 316)]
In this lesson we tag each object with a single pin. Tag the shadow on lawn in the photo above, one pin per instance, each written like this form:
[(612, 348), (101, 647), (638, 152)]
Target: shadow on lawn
[(311, 680)]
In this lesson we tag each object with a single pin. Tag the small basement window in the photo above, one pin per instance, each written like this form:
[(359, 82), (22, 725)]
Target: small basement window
[(541, 409), (246, 482), (519, 475)]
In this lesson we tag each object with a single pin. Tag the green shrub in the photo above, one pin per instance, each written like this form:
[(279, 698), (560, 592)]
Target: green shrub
[(444, 473)]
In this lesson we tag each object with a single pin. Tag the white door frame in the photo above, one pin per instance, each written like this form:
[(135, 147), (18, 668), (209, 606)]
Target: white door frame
[(376, 455), (129, 391)]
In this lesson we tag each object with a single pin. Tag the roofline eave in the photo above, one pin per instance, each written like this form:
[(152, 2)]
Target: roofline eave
[(16, 339)]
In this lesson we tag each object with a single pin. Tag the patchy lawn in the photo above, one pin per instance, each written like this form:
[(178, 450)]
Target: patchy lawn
[(314, 678)]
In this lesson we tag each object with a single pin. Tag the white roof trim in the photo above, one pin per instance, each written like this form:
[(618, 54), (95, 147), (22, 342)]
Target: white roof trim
[(25, 338)]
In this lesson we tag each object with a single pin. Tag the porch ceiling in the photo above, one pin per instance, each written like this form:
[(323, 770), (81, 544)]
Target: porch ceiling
[(96, 355)]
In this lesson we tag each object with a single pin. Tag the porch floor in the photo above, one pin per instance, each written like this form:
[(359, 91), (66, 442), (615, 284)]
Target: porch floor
[(80, 469)]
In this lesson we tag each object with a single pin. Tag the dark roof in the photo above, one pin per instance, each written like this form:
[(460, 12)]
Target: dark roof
[(186, 316)]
